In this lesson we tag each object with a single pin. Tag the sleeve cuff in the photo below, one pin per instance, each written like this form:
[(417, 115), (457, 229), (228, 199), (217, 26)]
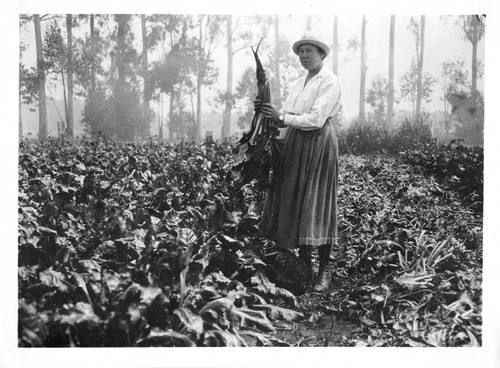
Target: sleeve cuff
[(288, 120)]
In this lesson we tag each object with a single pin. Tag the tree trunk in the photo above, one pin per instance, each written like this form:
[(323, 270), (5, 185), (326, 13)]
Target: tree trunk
[(199, 82), (160, 120), (390, 92), (335, 51), (226, 122), (363, 72), (61, 132), (92, 90), (475, 40), (445, 104), (69, 70), (171, 124), (20, 119), (277, 97), (420, 66), (308, 22), (121, 35), (92, 60), (42, 106), (145, 65)]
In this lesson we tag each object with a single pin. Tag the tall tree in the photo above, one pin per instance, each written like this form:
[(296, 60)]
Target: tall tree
[(91, 103), (28, 78), (208, 36), (169, 74), (363, 72), (390, 92), (59, 64), (42, 107), (92, 59), (420, 65), (91, 55), (145, 66), (335, 48), (408, 85), (277, 63), (240, 35), (456, 83), (199, 77), (126, 114), (69, 72), (473, 27), (377, 97), (226, 122)]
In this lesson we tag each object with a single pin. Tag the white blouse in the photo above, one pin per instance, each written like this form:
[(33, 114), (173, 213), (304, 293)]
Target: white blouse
[(307, 107)]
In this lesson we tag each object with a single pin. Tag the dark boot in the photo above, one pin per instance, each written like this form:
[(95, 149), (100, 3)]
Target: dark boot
[(305, 256), (323, 281), (324, 276)]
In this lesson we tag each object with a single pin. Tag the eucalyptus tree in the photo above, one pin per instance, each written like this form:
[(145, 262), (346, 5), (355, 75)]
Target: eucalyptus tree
[(28, 76), (126, 117), (417, 28), (168, 34), (209, 34), (335, 46), (308, 22), (42, 106), (145, 66), (420, 65), (69, 70), (59, 65), (91, 54), (456, 82), (377, 97), (408, 85), (363, 72), (390, 87), (474, 29), (241, 33)]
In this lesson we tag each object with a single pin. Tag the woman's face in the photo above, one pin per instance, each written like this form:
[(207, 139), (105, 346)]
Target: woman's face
[(310, 57)]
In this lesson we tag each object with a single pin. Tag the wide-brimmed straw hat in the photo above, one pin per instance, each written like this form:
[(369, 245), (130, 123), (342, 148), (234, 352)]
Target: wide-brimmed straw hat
[(310, 39)]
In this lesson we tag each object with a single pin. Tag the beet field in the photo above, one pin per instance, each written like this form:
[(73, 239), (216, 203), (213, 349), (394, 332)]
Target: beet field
[(141, 245)]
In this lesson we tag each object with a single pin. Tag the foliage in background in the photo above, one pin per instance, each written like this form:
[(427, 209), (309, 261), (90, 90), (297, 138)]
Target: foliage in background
[(376, 97), (408, 85), (374, 137)]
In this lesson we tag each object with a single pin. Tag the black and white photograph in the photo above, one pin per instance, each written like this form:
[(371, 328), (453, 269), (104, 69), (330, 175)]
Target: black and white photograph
[(279, 184)]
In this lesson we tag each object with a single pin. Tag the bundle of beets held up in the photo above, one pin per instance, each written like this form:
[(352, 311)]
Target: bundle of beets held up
[(258, 150)]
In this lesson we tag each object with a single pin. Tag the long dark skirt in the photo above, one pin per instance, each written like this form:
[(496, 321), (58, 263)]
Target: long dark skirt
[(301, 208)]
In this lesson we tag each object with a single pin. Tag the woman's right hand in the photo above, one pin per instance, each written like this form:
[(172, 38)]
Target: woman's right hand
[(257, 103)]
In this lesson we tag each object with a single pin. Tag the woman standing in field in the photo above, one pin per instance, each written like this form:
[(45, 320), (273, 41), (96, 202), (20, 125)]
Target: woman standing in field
[(300, 211)]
